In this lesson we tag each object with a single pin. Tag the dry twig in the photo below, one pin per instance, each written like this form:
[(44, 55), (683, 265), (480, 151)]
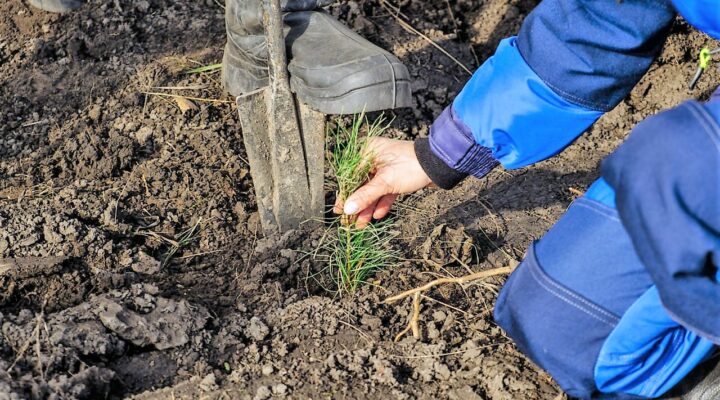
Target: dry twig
[(39, 322), (459, 280), (395, 12), (414, 323)]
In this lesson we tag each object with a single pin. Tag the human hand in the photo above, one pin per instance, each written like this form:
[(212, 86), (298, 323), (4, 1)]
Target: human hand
[(396, 171)]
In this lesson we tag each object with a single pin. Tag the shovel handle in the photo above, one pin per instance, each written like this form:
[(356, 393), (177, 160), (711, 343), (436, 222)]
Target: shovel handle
[(272, 21)]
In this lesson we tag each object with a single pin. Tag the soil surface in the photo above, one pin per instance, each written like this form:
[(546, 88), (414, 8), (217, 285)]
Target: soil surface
[(132, 263)]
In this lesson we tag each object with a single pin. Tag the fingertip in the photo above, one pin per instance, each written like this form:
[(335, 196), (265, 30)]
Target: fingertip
[(380, 213), (351, 208), (365, 197)]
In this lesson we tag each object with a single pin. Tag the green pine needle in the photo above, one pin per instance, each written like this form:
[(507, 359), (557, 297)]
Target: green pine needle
[(350, 160), (353, 254)]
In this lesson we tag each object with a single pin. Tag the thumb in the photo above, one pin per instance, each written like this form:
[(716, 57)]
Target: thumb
[(366, 196)]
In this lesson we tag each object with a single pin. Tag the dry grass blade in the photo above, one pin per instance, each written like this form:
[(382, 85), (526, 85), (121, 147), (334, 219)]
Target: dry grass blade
[(413, 324), (35, 335), (394, 11), (189, 87), (200, 99), (451, 353), (205, 68), (183, 239)]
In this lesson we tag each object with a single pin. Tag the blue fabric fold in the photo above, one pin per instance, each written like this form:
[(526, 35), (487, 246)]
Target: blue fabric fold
[(648, 353), (452, 142), (667, 182), (609, 335), (704, 15), (508, 109), (593, 52)]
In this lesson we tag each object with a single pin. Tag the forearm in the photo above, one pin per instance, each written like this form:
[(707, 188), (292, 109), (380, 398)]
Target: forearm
[(572, 61)]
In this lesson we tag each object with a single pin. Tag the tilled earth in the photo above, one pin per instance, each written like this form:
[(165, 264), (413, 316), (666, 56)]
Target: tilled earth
[(132, 263)]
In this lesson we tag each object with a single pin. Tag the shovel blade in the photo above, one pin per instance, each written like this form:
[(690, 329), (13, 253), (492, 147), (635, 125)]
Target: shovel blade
[(285, 144)]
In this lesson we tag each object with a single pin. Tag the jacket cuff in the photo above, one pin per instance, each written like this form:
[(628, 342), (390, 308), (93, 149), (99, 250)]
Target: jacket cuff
[(450, 154), (440, 173)]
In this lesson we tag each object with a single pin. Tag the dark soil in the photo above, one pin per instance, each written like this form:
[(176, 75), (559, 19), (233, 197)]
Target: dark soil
[(97, 179)]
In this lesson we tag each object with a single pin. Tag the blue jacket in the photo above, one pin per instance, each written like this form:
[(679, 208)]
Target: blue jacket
[(572, 61), (501, 115)]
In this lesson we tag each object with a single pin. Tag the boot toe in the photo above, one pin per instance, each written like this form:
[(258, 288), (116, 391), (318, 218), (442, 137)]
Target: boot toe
[(336, 71), (332, 69)]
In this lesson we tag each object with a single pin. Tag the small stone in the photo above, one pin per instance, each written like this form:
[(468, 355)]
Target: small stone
[(240, 211), (146, 264), (263, 393), (29, 241), (433, 332), (257, 329), (439, 316), (208, 383), (125, 259), (280, 389), (142, 6), (267, 369), (463, 393), (95, 113), (143, 134), (442, 371)]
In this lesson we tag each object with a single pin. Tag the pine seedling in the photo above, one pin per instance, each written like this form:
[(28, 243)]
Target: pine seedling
[(355, 254), (351, 160)]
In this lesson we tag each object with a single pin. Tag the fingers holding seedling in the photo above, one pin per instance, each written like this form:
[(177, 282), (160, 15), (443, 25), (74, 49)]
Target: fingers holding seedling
[(395, 170), (382, 209)]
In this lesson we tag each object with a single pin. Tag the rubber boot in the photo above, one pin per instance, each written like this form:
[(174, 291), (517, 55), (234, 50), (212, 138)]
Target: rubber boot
[(57, 6), (332, 69), (702, 384)]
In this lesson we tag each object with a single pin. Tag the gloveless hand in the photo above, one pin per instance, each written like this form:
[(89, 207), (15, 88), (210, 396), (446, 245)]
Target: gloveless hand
[(396, 171)]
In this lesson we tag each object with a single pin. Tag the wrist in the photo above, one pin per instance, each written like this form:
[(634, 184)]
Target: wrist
[(436, 170), (450, 154)]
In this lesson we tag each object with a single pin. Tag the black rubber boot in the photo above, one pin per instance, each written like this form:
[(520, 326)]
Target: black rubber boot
[(245, 58), (332, 69), (57, 6), (709, 387)]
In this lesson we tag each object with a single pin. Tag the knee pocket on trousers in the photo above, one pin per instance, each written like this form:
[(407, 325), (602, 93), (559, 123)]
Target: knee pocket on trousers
[(559, 329), (567, 296)]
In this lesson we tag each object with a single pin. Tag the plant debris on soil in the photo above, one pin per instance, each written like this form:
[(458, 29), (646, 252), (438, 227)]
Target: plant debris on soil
[(132, 264)]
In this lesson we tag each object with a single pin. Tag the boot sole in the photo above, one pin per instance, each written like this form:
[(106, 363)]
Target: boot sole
[(57, 6), (375, 97)]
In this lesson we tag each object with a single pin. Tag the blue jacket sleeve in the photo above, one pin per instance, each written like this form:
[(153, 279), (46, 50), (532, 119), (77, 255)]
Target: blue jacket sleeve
[(572, 61)]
